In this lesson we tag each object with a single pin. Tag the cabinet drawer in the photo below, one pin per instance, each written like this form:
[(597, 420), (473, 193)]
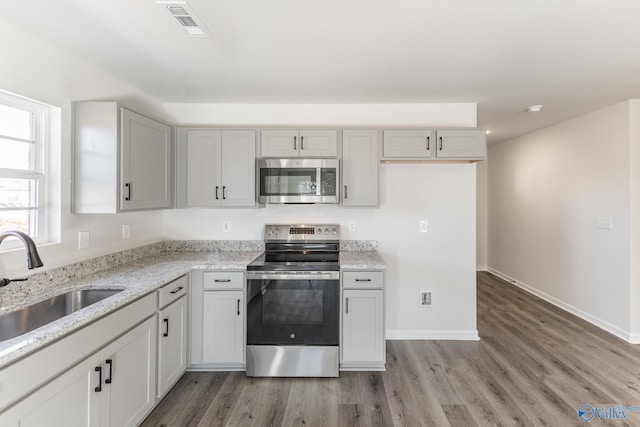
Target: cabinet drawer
[(223, 280), (172, 291), (364, 279)]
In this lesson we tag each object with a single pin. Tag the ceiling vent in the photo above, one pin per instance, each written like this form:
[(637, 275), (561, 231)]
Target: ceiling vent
[(186, 17)]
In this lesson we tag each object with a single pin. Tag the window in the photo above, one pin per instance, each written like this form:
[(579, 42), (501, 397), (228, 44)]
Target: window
[(24, 140)]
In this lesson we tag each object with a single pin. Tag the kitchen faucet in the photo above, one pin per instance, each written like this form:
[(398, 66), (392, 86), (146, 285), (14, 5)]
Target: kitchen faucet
[(33, 259)]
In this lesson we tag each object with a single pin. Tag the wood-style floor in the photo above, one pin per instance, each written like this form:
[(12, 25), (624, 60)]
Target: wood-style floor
[(534, 365)]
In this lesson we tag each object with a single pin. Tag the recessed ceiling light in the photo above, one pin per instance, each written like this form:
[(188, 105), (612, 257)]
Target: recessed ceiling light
[(534, 108), (488, 131)]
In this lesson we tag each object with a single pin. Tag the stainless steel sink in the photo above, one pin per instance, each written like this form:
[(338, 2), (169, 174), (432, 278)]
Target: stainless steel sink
[(39, 314)]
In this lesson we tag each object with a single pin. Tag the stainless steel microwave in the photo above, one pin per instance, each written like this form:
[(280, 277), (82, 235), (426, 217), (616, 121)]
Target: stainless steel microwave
[(298, 181)]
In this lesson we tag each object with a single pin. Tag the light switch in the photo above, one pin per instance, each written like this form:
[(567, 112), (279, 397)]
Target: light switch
[(605, 222), (226, 226), (424, 225), (84, 239), (352, 226)]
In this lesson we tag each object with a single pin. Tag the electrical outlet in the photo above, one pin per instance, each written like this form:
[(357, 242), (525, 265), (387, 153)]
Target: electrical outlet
[(425, 298), (126, 231), (424, 226), (84, 239), (226, 226), (352, 226)]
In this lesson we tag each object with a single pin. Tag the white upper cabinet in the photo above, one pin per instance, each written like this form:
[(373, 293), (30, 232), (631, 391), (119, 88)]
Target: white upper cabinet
[(428, 144), (462, 144), (360, 167), (122, 160), (299, 143), (216, 168), (408, 144)]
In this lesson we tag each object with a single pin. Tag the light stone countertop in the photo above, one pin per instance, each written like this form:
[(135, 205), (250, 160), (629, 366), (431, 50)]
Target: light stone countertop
[(137, 279), (361, 260)]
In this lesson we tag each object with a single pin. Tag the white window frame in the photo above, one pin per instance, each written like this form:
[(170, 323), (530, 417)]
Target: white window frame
[(41, 128)]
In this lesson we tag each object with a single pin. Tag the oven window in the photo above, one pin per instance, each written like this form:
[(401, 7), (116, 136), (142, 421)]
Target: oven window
[(288, 181), (293, 312), (290, 307)]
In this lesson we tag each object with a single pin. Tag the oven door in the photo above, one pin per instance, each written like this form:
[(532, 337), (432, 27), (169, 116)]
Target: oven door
[(297, 181), (290, 308)]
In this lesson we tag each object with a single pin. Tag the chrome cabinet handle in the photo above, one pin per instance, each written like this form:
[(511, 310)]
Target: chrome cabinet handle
[(428, 140), (222, 280), (98, 389), (127, 185), (302, 142), (238, 307), (345, 191), (347, 305), (110, 363), (176, 290), (294, 142), (440, 143), (217, 187), (224, 195), (363, 280), (166, 326)]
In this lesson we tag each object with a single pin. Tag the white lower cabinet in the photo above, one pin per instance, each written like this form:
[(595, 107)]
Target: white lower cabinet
[(129, 376), (223, 327), (113, 387), (68, 401), (172, 344), (363, 337), (217, 320), (173, 327)]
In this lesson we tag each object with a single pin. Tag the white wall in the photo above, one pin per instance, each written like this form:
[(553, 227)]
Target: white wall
[(546, 190), (634, 297), (482, 212), (35, 69), (442, 260)]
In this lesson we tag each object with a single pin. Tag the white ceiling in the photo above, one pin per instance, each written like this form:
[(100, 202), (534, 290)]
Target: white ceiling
[(572, 56)]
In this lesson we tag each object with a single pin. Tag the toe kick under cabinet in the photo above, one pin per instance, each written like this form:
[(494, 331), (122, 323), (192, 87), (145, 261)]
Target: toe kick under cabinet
[(362, 341)]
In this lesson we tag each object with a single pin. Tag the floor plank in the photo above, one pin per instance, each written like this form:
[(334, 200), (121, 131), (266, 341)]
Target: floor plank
[(533, 366)]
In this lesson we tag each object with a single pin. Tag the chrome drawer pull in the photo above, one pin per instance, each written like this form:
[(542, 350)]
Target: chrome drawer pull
[(222, 280), (363, 280), (175, 291)]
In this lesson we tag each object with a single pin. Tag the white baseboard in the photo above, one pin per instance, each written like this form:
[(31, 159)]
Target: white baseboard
[(482, 268), (602, 324), (455, 335)]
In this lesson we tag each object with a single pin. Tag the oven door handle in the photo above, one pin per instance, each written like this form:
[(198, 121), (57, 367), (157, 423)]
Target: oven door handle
[(306, 275)]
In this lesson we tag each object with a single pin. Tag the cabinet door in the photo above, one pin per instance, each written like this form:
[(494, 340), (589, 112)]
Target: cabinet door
[(129, 376), (223, 327), (145, 156), (462, 144), (408, 144), (172, 344), (68, 401), (279, 143), (360, 168), (318, 143), (238, 168), (362, 326), (204, 188)]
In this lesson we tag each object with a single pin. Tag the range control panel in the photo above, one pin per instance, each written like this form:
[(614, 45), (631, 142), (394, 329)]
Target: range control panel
[(298, 232)]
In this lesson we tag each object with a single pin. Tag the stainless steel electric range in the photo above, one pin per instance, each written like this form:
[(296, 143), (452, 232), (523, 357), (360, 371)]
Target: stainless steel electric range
[(293, 299)]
